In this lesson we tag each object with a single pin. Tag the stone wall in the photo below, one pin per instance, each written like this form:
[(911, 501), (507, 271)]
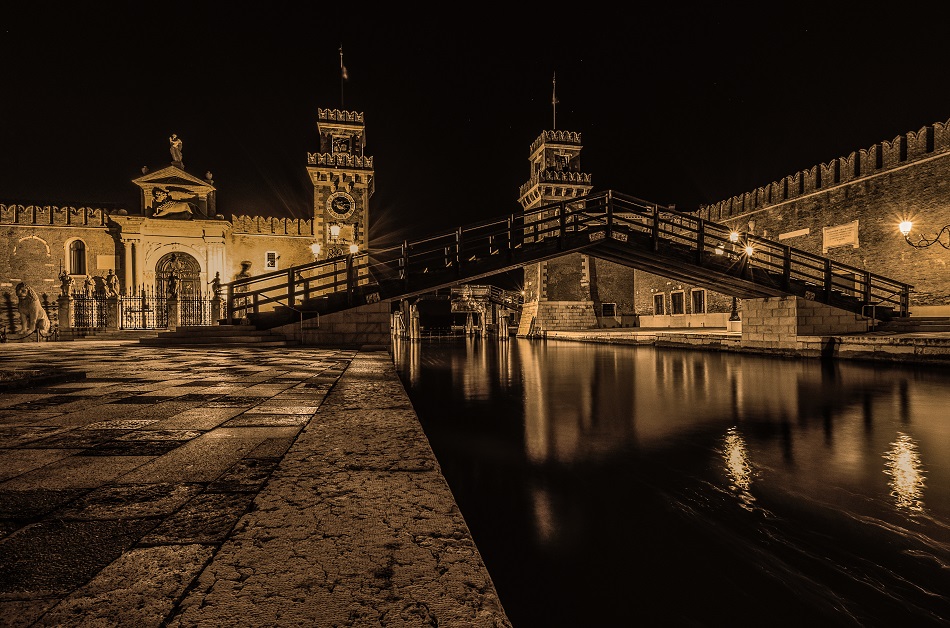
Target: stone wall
[(551, 315), (775, 323), (291, 251), (364, 325), (872, 189)]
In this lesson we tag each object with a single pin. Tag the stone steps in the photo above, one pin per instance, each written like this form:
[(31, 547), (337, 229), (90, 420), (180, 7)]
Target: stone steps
[(90, 334), (911, 324), (219, 335)]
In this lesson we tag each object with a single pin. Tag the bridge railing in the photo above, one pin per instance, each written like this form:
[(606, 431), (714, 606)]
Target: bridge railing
[(715, 244), (265, 292), (604, 215)]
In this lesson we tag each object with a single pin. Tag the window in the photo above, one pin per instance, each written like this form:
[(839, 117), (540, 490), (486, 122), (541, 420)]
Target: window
[(608, 309), (677, 303), (270, 260), (659, 305), (77, 257), (697, 301)]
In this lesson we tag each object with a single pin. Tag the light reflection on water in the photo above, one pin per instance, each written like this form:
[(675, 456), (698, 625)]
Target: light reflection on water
[(738, 467), (907, 476), (613, 485)]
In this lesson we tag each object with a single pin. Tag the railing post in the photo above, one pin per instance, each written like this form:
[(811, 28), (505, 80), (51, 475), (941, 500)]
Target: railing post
[(828, 282), (700, 241), (291, 289), (404, 262), (561, 226), (786, 267), (350, 283), (867, 286), (458, 251), (229, 304), (610, 213), (655, 231)]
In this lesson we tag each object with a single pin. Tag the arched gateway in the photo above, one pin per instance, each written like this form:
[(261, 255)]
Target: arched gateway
[(187, 275)]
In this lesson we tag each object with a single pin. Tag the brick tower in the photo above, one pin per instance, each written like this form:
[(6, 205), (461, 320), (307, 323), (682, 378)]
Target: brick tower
[(343, 183), (558, 291)]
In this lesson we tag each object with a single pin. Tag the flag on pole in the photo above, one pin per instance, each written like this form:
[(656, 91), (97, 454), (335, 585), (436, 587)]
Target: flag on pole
[(343, 72)]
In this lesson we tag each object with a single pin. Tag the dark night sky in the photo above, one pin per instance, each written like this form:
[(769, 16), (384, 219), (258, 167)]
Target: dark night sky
[(678, 103)]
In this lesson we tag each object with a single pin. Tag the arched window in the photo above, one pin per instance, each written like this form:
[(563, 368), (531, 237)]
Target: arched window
[(77, 257)]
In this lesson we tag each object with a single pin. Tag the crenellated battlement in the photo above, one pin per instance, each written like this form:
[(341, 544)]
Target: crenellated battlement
[(551, 175), (560, 137), (46, 215), (259, 225), (336, 115), (925, 143), (339, 160)]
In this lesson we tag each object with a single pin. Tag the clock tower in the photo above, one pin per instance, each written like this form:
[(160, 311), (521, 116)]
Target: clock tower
[(343, 182)]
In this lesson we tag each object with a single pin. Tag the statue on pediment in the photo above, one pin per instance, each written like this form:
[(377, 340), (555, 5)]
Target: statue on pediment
[(174, 147)]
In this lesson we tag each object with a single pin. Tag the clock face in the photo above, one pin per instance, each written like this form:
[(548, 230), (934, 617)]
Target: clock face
[(341, 204)]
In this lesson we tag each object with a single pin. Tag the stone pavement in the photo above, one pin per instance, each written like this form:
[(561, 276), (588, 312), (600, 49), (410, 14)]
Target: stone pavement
[(226, 487)]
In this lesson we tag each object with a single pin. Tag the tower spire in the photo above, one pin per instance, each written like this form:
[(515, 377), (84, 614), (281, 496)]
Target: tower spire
[(554, 100)]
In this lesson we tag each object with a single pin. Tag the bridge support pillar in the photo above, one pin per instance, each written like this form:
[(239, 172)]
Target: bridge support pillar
[(415, 329)]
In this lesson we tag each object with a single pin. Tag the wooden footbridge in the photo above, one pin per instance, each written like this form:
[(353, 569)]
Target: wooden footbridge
[(606, 225)]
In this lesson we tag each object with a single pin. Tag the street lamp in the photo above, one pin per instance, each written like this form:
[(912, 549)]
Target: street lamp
[(907, 225), (338, 245)]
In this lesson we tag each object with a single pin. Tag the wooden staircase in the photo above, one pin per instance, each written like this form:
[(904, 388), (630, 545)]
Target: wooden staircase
[(219, 336)]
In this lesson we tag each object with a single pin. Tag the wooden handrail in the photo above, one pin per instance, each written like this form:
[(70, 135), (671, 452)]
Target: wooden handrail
[(591, 222)]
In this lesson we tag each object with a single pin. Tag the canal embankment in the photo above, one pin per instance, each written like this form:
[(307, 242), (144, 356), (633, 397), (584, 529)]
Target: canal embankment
[(884, 346)]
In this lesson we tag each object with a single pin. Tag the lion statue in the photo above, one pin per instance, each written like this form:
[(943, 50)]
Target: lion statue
[(169, 202), (32, 315)]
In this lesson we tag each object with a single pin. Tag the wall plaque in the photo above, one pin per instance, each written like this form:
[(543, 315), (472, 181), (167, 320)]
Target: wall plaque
[(839, 235)]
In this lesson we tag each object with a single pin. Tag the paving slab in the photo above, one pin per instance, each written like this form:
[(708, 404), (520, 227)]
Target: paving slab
[(227, 487)]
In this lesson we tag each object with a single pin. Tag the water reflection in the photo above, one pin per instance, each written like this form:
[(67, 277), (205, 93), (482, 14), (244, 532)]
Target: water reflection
[(700, 488), (738, 467), (906, 473)]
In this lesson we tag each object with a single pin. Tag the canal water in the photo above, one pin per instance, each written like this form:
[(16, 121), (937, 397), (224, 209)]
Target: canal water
[(610, 485)]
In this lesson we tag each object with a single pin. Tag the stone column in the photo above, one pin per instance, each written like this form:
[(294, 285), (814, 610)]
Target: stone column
[(415, 331), (112, 313), (171, 305), (216, 309), (129, 281), (65, 311)]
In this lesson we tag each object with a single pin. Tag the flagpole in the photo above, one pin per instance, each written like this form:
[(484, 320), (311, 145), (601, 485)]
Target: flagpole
[(554, 99), (342, 77)]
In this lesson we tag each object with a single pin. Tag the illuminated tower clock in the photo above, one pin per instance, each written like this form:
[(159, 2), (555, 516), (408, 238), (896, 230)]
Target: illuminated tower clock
[(343, 183)]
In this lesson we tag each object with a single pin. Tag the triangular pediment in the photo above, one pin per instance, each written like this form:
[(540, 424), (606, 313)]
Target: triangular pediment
[(172, 192), (172, 175)]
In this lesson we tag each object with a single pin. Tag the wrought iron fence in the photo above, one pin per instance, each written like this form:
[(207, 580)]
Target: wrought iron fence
[(141, 311), (194, 309), (146, 309), (89, 311)]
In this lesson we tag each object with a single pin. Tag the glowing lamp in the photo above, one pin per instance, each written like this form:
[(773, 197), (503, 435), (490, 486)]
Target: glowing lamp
[(923, 242)]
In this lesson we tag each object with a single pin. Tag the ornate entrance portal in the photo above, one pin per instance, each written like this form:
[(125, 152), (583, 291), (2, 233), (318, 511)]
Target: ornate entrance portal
[(178, 273)]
